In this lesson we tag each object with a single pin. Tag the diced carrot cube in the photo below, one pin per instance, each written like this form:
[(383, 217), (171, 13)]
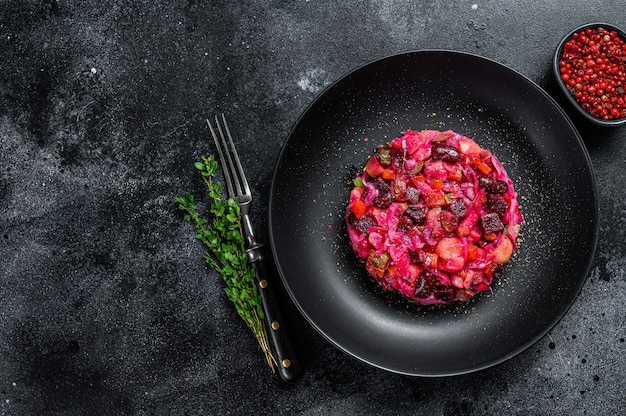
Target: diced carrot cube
[(436, 184), (417, 179), (473, 252), (359, 208), (483, 167), (456, 174), (388, 174), (435, 199)]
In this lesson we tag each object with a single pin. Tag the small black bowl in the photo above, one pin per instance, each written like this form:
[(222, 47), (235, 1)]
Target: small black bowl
[(563, 87)]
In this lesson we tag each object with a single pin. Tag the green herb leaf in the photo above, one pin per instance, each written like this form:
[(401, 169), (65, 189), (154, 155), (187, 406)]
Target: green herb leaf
[(226, 252)]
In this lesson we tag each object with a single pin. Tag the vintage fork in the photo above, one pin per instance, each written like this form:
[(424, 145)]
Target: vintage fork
[(239, 190)]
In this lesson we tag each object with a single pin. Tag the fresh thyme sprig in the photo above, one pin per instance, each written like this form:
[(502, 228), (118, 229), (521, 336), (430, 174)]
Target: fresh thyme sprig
[(226, 253)]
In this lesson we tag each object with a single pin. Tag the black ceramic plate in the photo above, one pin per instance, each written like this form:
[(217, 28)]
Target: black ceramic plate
[(504, 112)]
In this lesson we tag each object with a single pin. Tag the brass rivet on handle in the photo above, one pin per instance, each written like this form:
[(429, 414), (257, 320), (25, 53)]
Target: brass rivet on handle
[(286, 363), (275, 325), (263, 284)]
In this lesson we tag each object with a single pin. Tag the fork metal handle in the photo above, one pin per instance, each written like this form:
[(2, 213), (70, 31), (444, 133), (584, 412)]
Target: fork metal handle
[(254, 249), (289, 367)]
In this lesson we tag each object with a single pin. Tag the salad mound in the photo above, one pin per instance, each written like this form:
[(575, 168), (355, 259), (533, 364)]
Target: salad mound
[(434, 216)]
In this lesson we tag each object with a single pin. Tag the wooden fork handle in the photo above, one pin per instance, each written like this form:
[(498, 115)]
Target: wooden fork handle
[(288, 365)]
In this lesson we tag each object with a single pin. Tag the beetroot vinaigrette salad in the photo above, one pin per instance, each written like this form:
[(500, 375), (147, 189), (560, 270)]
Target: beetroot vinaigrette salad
[(434, 216)]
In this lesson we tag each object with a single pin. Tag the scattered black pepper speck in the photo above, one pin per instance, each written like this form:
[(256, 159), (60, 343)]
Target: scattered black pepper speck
[(552, 345), (596, 378)]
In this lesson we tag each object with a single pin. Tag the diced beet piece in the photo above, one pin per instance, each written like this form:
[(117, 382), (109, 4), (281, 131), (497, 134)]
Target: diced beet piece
[(493, 185), (445, 152), (497, 204), (414, 257), (425, 285), (405, 223), (418, 214), (458, 208), (365, 222), (383, 200), (445, 295), (500, 188), (491, 223), (353, 220), (412, 194), (381, 184), (397, 156), (384, 197)]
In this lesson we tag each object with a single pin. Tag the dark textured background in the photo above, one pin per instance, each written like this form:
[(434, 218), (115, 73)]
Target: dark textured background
[(106, 306)]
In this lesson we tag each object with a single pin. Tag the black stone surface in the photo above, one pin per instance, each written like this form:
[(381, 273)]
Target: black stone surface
[(106, 306)]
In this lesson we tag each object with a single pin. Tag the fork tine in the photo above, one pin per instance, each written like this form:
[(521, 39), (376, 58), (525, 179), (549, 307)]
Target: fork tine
[(226, 168), (240, 171)]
